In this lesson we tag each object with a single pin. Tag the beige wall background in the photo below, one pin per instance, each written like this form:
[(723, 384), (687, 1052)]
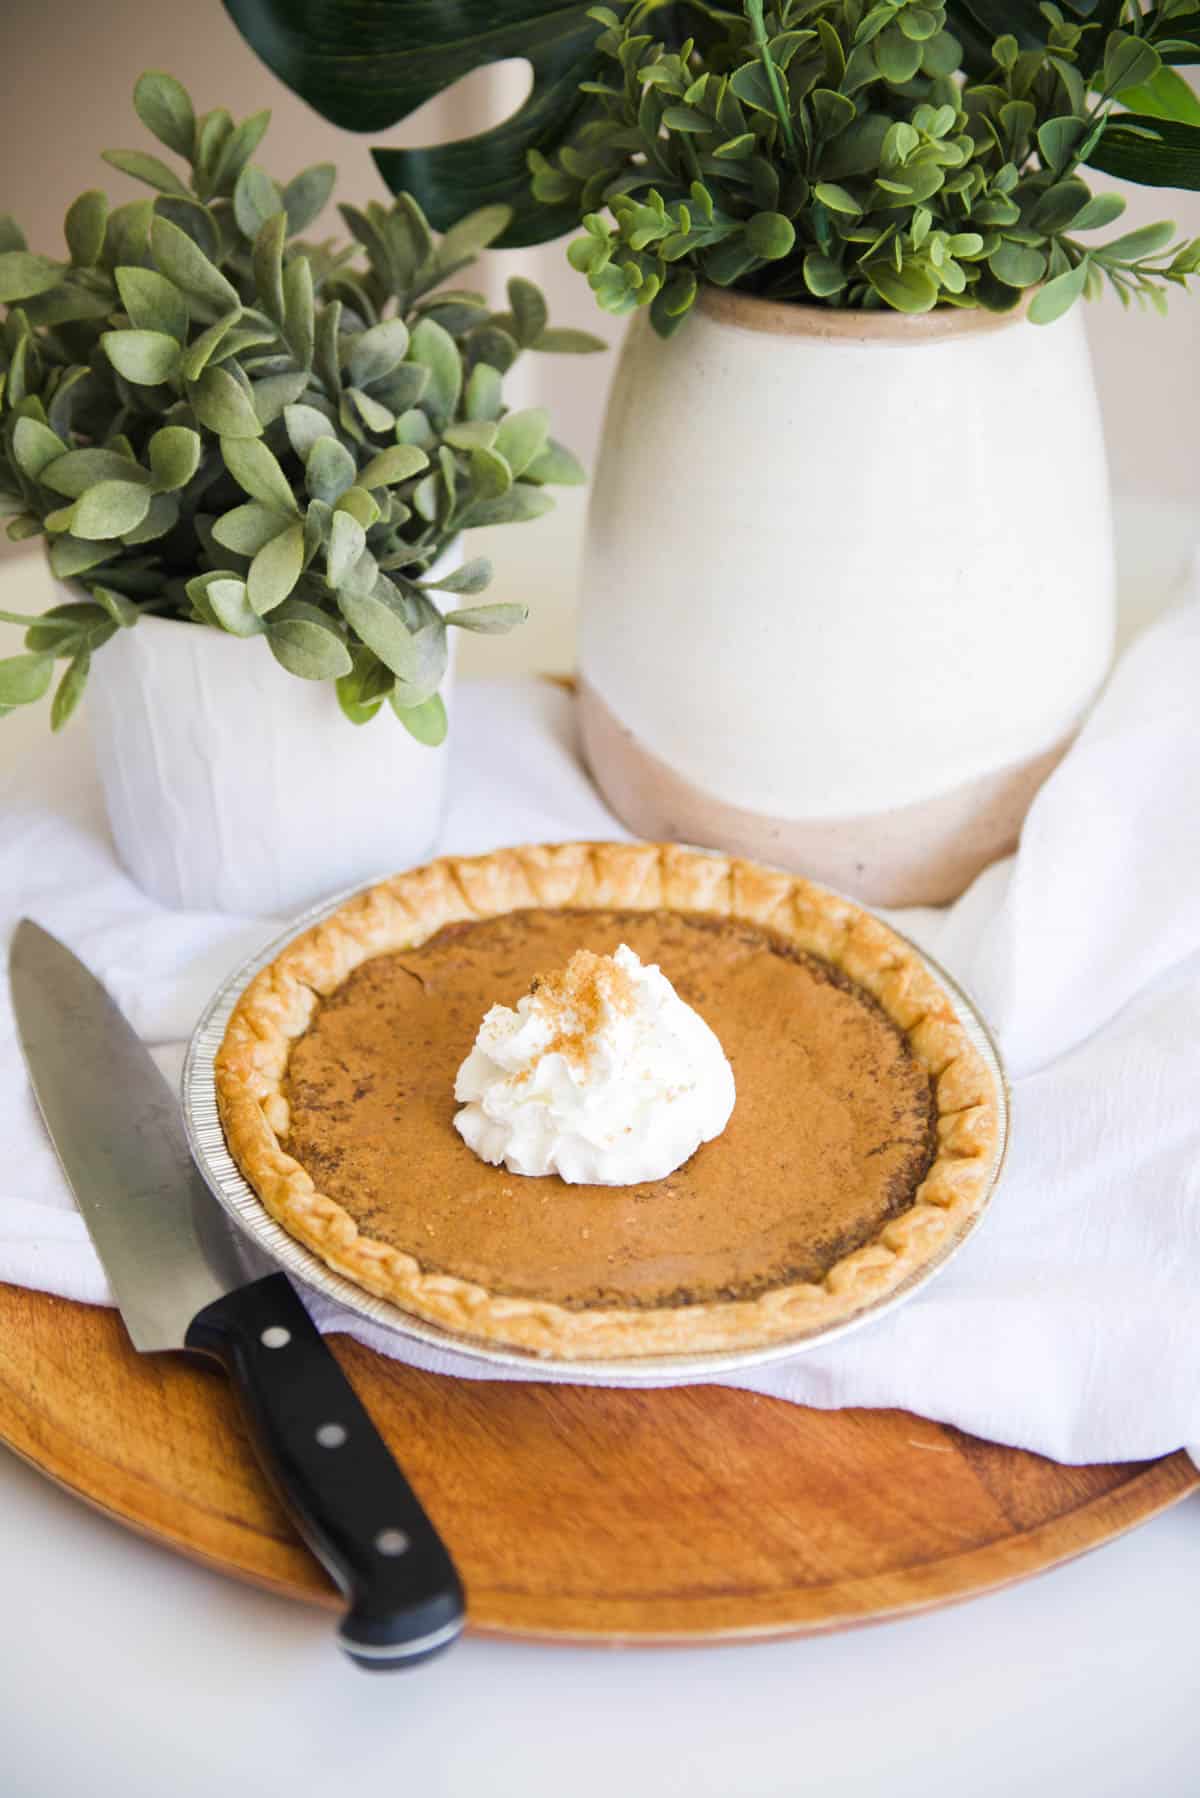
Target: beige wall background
[(67, 69)]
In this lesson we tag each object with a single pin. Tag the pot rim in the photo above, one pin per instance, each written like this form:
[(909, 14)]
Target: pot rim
[(828, 324)]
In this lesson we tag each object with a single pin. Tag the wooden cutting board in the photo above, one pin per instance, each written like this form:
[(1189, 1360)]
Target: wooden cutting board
[(694, 1514)]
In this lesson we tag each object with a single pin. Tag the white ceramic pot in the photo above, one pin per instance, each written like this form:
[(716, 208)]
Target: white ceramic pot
[(849, 585), (234, 786)]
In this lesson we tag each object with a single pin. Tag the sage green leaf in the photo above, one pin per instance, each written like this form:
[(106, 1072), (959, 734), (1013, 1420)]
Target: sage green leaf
[(268, 266), (362, 691), (109, 509), (562, 341), (911, 289), (377, 619), (237, 149), (127, 234), (120, 609), (64, 630), (255, 200), (149, 169), (1101, 210), (248, 528), (372, 414), (1128, 62), (84, 226), (304, 643), (434, 349), (391, 466), (325, 347), (304, 424), (174, 457), (22, 275), (347, 540), (230, 604), (488, 343), (413, 427), (223, 405), (520, 503), (183, 262), (490, 474), (403, 387), (1059, 205), (258, 473), (427, 722), (467, 236), (430, 657), (361, 505), (273, 396), (163, 106), (146, 357), (196, 357), (1017, 265), (11, 235), (25, 678), (770, 235), (556, 467), (1148, 240), (162, 515), (491, 621), (378, 351), (36, 447), (1059, 139), (72, 556), (307, 195), (276, 569), (522, 436), (1059, 295), (472, 577), (299, 318), (329, 470), (528, 308), (153, 303), (70, 689), (471, 434), (483, 395)]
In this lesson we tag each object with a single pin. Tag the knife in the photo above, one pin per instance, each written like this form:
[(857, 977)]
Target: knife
[(184, 1278)]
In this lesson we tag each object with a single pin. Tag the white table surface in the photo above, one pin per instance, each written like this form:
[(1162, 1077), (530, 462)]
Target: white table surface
[(126, 1672)]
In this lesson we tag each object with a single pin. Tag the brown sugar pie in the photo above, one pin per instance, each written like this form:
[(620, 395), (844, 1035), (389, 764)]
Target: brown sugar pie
[(862, 1142)]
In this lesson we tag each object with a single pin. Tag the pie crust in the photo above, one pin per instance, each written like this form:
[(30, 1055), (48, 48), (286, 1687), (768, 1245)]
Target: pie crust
[(279, 1004)]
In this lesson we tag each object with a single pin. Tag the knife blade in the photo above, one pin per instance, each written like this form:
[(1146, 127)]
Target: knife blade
[(184, 1278)]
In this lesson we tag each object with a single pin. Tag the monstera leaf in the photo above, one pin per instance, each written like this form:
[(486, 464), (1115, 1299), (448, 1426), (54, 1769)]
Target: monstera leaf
[(366, 65)]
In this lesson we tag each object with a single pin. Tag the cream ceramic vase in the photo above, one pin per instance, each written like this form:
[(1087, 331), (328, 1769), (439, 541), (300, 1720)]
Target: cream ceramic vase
[(234, 786), (848, 586)]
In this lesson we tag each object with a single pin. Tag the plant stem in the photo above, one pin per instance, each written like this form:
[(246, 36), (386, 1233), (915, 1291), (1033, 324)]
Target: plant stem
[(754, 12)]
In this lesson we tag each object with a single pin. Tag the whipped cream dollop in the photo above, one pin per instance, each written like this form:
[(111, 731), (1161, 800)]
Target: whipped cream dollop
[(602, 1075)]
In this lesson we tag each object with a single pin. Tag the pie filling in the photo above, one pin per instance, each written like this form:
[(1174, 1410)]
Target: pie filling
[(832, 1133)]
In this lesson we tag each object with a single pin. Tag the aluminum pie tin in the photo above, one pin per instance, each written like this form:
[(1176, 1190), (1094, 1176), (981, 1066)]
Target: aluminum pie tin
[(243, 1205)]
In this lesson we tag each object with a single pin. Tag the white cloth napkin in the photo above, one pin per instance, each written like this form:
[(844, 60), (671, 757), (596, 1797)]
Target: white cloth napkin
[(1070, 1323)]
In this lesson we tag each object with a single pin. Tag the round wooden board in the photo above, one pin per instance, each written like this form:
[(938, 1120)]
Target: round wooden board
[(693, 1514)]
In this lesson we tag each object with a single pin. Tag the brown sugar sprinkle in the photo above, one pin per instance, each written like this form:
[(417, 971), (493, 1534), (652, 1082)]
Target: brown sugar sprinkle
[(577, 1001)]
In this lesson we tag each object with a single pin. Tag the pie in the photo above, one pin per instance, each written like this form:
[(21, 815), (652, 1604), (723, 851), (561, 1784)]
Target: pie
[(863, 1141)]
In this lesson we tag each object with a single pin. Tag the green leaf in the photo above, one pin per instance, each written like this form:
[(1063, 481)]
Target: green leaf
[(153, 303), (255, 200), (518, 505), (362, 691), (23, 275), (163, 106), (427, 722), (72, 474), (372, 415), (109, 509), (273, 396), (484, 392), (268, 267), (1152, 152), (529, 312), (347, 540), (472, 577), (248, 528), (120, 609), (196, 357), (910, 289), (307, 195), (35, 448), (146, 357), (183, 262), (837, 199), (433, 348), (1059, 295), (361, 505), (85, 225), (556, 466), (378, 621), (1101, 210), (490, 474), (1166, 96), (562, 341), (276, 569), (329, 470), (491, 621), (162, 515), (1148, 240), (521, 438), (1059, 205), (70, 689), (223, 405), (149, 169), (1017, 265), (391, 466), (1059, 139), (237, 149), (24, 679), (303, 641), (304, 424), (1128, 62), (72, 556), (258, 473), (378, 351), (299, 317), (229, 602), (770, 235)]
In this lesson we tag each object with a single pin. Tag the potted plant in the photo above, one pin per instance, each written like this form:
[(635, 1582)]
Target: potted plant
[(872, 596), (262, 453)]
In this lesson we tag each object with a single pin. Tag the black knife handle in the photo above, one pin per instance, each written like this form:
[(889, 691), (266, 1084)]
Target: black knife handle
[(347, 1496)]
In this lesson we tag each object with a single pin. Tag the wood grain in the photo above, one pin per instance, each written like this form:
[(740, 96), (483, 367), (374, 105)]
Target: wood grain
[(699, 1513)]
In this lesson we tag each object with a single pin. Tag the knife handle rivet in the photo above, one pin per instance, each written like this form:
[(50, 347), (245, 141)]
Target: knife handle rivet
[(392, 1542), (331, 1435), (275, 1337)]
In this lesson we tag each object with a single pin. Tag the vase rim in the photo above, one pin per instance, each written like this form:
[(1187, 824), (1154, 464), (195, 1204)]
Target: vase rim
[(789, 318)]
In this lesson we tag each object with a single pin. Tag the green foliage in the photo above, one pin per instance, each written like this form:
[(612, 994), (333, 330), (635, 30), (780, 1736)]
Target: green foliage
[(210, 418), (832, 152)]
